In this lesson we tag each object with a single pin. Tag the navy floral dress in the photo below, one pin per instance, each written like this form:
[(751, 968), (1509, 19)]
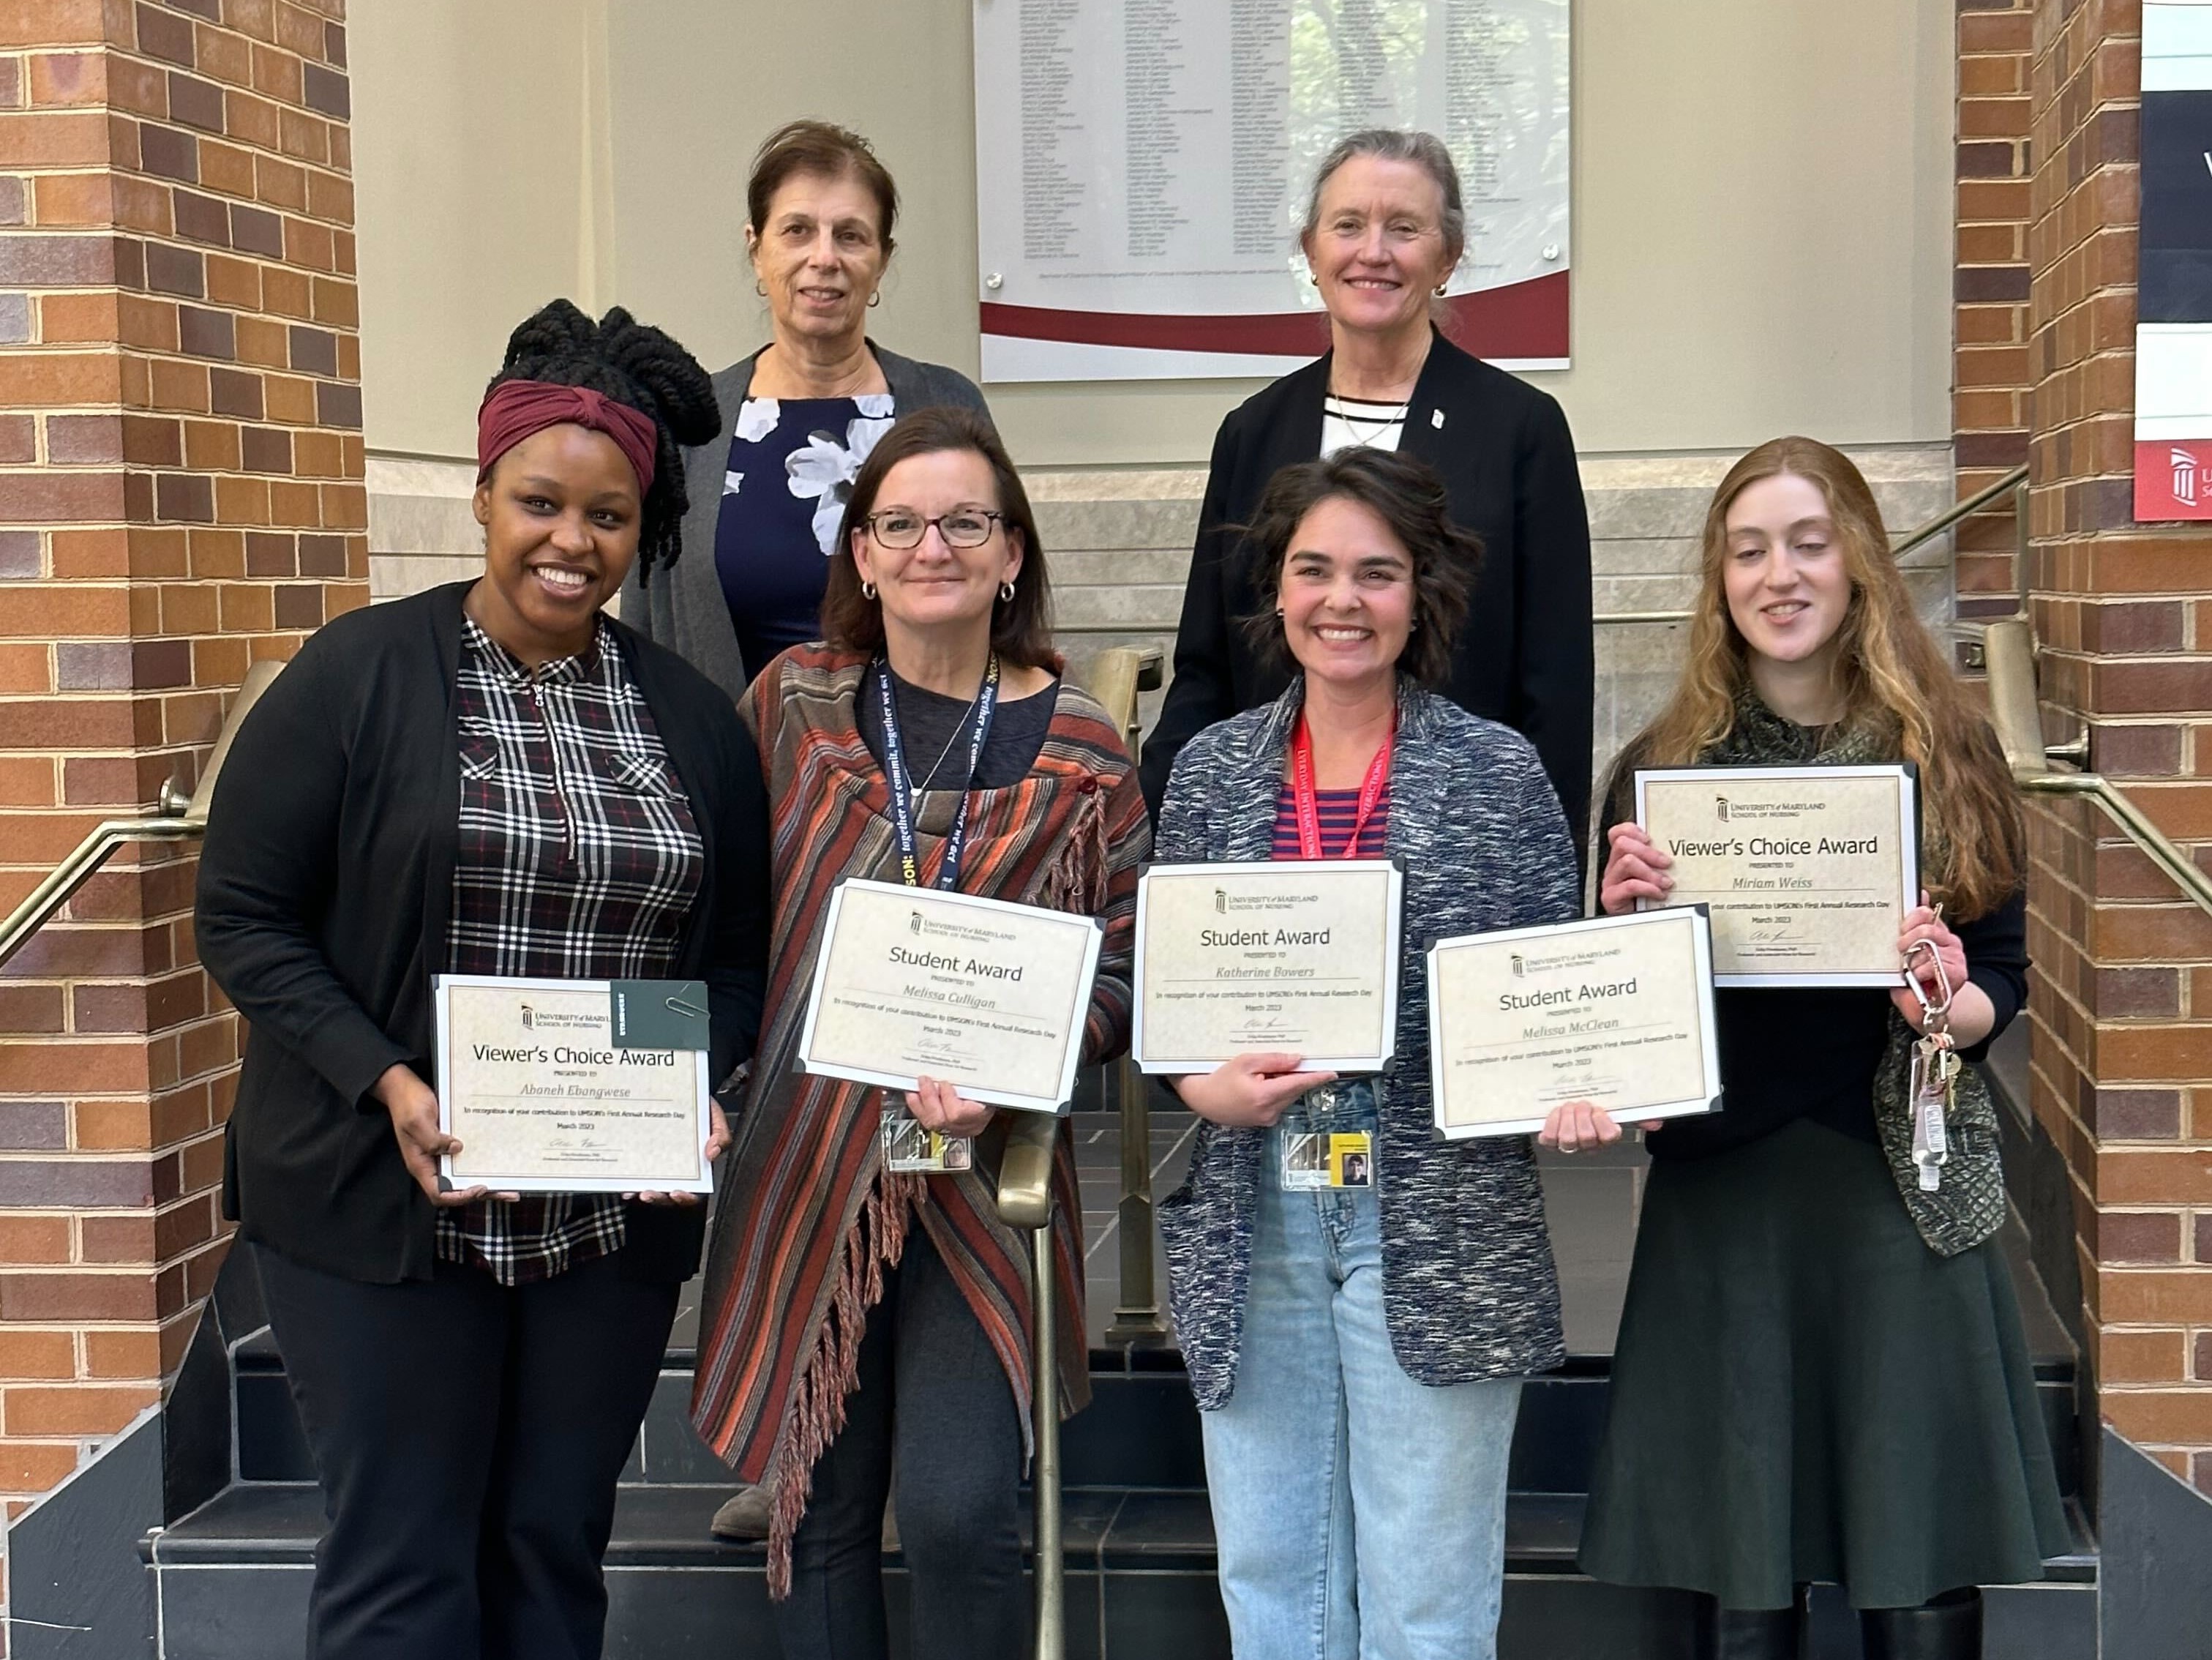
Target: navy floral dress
[(789, 475)]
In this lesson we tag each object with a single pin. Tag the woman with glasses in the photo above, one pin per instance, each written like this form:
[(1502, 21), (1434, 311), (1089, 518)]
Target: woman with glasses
[(769, 491), (860, 1310)]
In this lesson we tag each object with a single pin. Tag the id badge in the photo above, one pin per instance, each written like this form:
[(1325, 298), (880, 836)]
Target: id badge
[(1315, 1161), (911, 1148)]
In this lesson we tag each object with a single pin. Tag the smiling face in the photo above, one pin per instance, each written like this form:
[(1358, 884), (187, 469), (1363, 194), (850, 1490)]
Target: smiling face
[(935, 588), (1346, 594), (1377, 248), (561, 518), (820, 256), (1783, 572)]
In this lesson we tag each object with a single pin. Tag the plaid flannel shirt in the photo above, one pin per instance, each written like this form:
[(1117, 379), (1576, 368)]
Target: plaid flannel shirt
[(578, 859)]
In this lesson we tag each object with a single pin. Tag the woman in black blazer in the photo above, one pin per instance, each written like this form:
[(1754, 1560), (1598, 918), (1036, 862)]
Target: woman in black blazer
[(1384, 229), (487, 778)]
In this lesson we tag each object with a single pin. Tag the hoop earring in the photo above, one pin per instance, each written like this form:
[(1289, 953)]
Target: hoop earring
[(1006, 592), (875, 299), (1441, 287), (760, 289), (867, 589)]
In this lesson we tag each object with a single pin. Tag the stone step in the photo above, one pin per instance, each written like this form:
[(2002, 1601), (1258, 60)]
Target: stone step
[(233, 1579)]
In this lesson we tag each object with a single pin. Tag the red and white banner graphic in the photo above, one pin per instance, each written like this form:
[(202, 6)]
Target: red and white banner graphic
[(1142, 168), (2173, 266)]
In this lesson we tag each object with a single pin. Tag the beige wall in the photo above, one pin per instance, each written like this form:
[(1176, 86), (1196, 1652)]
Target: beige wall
[(1762, 207)]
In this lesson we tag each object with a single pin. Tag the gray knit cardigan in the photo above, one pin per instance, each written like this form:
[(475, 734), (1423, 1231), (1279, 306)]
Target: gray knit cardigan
[(1469, 1287), (684, 606)]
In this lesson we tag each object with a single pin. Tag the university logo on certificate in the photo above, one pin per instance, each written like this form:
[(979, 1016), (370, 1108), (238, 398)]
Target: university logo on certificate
[(1297, 955), (989, 996), (1808, 872)]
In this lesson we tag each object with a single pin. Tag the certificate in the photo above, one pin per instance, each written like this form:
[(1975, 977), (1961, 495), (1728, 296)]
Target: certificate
[(1293, 955), (916, 982), (1808, 872), (1617, 1011), (544, 1100)]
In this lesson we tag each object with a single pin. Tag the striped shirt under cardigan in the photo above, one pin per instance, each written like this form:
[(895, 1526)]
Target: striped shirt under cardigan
[(1469, 1288), (809, 1217)]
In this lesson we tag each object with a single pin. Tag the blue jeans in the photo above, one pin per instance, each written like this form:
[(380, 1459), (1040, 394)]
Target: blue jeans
[(1325, 1427)]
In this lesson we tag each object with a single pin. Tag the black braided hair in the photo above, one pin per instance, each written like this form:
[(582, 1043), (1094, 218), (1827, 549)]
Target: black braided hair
[(635, 365)]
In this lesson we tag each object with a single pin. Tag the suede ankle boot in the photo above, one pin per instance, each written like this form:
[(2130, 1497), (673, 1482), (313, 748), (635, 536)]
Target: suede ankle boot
[(1948, 1628)]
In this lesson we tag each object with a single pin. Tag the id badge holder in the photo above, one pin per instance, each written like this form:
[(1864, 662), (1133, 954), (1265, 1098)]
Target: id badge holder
[(912, 1148), (1318, 1161)]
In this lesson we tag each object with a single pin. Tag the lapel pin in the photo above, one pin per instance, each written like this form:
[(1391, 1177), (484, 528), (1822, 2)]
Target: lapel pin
[(1435, 417)]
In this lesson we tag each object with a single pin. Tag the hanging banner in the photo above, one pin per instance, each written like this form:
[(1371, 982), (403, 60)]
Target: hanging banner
[(2174, 316), (1142, 166)]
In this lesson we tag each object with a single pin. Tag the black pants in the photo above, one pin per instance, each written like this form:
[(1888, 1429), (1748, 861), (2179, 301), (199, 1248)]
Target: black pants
[(933, 1396), (468, 1435)]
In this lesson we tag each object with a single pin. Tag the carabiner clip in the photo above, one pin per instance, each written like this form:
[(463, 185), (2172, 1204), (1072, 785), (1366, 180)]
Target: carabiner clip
[(1934, 1011)]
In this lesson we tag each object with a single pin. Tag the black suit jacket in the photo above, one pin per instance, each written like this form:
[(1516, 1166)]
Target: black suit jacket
[(325, 895), (1508, 462)]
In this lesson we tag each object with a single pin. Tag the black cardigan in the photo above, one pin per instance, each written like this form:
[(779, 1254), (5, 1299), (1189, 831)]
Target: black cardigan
[(324, 895), (1508, 462)]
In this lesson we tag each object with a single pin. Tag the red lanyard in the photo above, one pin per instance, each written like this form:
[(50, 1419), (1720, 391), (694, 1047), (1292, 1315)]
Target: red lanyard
[(1309, 811)]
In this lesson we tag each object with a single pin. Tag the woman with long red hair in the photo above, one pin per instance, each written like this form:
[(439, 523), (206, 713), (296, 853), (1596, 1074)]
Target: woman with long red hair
[(1822, 1375)]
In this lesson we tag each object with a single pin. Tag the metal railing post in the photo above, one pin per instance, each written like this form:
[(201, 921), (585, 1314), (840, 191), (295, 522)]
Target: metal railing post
[(1044, 1371)]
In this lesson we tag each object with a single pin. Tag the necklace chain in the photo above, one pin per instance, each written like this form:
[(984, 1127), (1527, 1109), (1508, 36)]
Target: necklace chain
[(958, 726), (1355, 423)]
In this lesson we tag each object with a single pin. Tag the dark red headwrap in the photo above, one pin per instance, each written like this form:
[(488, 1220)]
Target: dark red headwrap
[(513, 410)]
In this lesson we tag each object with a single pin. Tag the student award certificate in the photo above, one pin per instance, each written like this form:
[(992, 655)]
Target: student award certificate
[(917, 982), (1808, 872), (1617, 1011), (1297, 955), (544, 1099)]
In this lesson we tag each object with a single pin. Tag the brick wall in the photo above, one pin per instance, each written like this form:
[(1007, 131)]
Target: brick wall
[(1989, 361), (181, 466), (2122, 993)]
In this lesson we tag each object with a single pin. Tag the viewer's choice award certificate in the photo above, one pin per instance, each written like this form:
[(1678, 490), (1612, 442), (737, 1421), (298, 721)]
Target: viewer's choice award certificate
[(545, 1101), (1808, 871), (1617, 1011), (1293, 955), (916, 982)]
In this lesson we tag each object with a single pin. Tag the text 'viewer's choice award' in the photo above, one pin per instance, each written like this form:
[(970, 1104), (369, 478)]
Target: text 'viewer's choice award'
[(1808, 872), (1298, 957), (1617, 1011), (988, 996), (544, 1098)]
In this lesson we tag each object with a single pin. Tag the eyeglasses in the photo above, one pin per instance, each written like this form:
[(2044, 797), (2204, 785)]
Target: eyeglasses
[(899, 529)]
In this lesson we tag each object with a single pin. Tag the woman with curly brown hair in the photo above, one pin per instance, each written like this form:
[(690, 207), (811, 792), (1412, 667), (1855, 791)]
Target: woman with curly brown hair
[(1821, 1374)]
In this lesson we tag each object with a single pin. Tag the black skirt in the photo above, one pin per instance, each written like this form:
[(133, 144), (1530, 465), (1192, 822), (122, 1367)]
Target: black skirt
[(1804, 1392)]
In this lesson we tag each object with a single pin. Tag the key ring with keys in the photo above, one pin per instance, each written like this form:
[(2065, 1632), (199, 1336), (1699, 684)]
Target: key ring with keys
[(1935, 1012), (1935, 1064)]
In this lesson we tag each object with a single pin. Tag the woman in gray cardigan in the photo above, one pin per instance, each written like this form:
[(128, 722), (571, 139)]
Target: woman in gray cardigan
[(1358, 1349), (768, 493)]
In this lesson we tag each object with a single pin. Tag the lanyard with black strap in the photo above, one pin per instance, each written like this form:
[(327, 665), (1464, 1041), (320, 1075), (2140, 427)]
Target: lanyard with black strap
[(909, 1147)]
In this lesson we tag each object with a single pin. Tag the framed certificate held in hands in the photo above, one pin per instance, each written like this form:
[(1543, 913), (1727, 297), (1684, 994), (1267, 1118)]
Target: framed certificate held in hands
[(1298, 955), (922, 983), (1617, 1011), (1808, 872), (544, 1097)]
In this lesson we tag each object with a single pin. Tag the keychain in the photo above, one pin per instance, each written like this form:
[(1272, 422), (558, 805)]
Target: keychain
[(1935, 1066)]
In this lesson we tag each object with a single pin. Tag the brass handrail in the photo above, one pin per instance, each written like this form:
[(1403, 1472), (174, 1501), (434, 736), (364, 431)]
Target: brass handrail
[(1025, 1203), (175, 818), (1965, 509), (2009, 654)]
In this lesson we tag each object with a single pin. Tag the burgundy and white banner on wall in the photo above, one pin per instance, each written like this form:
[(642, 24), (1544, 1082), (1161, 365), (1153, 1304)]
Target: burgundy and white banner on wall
[(1141, 168), (2174, 316)]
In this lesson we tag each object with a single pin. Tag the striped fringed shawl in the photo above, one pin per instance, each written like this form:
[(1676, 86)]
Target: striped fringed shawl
[(809, 1219)]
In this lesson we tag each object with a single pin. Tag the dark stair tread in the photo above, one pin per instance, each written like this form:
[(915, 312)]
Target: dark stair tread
[(277, 1522)]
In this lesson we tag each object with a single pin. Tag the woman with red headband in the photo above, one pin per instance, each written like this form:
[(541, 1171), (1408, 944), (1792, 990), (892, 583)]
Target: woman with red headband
[(488, 778)]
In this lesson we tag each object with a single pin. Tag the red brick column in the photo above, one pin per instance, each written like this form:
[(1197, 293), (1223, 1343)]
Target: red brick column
[(1990, 378), (181, 466), (2122, 993)]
